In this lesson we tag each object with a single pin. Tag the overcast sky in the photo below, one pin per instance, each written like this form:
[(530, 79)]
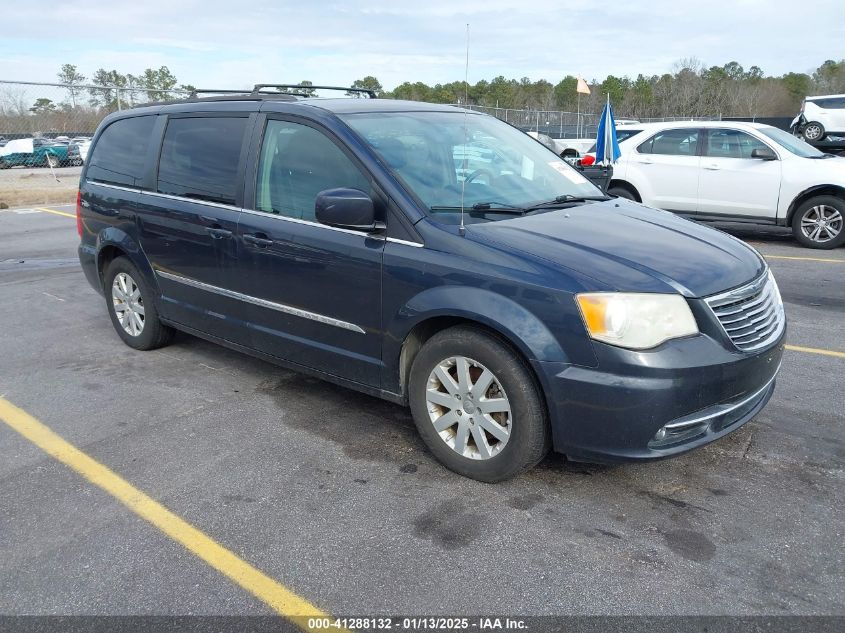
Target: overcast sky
[(220, 44)]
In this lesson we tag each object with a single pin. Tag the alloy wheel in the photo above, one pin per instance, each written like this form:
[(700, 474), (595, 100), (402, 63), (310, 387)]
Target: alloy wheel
[(821, 223), (468, 408), (128, 304), (812, 132)]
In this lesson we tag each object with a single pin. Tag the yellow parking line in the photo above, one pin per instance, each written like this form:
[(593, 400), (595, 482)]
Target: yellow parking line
[(67, 215), (806, 259), (815, 350), (275, 595)]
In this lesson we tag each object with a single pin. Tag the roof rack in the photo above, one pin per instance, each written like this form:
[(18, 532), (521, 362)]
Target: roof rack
[(259, 89), (367, 91)]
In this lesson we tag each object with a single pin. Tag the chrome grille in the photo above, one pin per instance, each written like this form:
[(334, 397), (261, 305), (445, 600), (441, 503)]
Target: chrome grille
[(752, 316)]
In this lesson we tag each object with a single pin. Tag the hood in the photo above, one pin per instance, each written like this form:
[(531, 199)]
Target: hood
[(627, 247)]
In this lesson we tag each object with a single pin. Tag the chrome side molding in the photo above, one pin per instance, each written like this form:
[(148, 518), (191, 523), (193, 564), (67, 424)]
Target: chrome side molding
[(264, 303)]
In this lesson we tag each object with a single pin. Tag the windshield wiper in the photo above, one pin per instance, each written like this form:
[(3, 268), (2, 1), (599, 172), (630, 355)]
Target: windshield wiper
[(565, 200), (495, 207)]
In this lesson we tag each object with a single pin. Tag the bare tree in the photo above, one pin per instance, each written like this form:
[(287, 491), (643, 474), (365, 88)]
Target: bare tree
[(72, 77)]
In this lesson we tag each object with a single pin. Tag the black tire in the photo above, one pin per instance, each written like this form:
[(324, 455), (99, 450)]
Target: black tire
[(813, 132), (154, 333), (4, 164), (52, 161), (810, 209), (530, 436), (621, 192)]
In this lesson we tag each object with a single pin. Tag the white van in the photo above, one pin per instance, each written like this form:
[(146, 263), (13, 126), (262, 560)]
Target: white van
[(822, 115)]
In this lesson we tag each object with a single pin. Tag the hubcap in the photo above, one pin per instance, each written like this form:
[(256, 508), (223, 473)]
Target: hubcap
[(128, 304), (468, 408), (821, 223), (812, 132)]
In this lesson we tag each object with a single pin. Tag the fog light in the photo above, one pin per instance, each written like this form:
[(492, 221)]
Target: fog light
[(660, 434)]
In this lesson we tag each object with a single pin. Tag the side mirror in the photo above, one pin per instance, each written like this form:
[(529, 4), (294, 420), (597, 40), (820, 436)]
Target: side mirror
[(346, 209), (763, 154)]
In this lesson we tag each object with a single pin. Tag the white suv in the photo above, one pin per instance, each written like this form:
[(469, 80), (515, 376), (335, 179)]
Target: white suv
[(822, 115), (735, 172)]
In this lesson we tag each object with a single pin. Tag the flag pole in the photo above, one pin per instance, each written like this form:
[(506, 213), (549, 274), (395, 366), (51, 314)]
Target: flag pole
[(578, 118)]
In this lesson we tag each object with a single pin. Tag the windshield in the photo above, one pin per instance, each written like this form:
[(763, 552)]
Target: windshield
[(437, 154), (792, 143)]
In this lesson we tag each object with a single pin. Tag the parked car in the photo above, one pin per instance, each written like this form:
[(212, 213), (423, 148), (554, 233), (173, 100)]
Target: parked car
[(545, 139), (739, 172), (514, 311), (29, 152), (572, 147), (77, 151), (2, 141), (820, 116)]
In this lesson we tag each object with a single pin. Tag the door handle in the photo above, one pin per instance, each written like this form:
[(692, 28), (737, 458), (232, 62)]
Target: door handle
[(257, 240), (646, 162), (712, 167), (219, 234)]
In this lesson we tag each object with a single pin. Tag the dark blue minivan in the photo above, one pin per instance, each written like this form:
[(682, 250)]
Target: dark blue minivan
[(435, 257)]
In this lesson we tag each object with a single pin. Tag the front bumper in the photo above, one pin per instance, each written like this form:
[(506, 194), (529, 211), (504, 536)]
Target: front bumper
[(698, 388)]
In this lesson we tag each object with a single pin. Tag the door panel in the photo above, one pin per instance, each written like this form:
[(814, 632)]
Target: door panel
[(324, 289), (316, 289), (734, 184), (665, 169), (836, 114), (188, 225), (186, 242)]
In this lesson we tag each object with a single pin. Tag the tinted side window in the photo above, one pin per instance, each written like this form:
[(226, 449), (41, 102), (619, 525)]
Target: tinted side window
[(731, 144), (199, 158), (120, 153), (672, 143), (298, 162)]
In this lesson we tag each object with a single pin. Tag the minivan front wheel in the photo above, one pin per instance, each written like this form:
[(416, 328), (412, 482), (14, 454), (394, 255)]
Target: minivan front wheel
[(131, 308), (477, 406), (819, 222)]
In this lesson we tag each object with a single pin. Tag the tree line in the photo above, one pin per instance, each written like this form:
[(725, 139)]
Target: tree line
[(690, 89)]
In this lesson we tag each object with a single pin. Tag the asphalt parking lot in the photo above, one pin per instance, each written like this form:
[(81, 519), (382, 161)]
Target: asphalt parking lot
[(331, 494)]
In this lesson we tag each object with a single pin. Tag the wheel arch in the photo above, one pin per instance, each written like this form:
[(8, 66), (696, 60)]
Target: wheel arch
[(427, 328), (441, 308), (817, 190), (113, 243), (624, 184)]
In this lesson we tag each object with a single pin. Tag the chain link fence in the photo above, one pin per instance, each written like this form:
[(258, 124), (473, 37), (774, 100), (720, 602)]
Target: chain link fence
[(47, 110), (563, 125), (554, 123), (45, 130), (51, 110)]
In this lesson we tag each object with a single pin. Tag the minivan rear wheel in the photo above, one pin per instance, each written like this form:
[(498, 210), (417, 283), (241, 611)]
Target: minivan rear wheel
[(820, 222), (477, 405), (131, 307), (813, 131)]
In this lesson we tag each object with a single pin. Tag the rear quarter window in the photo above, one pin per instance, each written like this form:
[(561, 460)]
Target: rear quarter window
[(200, 157), (120, 153)]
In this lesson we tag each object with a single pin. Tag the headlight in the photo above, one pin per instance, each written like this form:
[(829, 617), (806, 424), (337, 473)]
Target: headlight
[(634, 320)]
